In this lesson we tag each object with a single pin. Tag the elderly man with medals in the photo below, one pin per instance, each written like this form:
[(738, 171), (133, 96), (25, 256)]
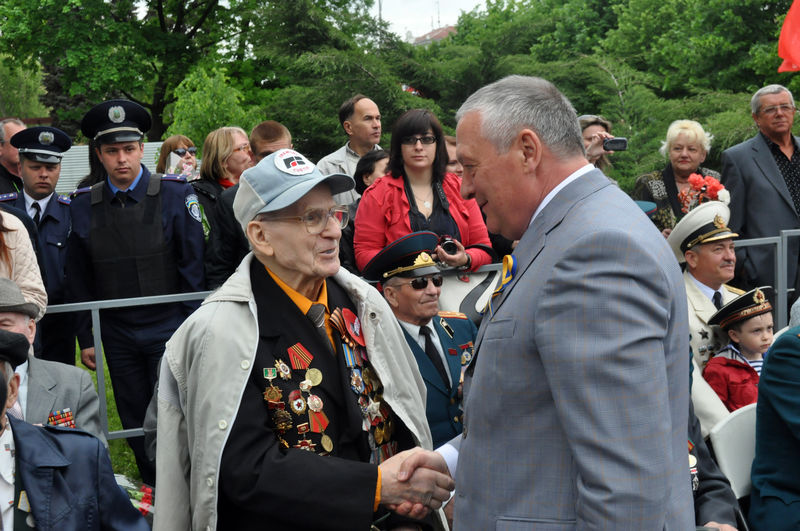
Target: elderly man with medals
[(290, 398)]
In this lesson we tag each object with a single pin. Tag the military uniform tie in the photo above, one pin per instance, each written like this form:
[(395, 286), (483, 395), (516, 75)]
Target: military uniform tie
[(37, 215), (434, 356), (717, 298), (317, 315)]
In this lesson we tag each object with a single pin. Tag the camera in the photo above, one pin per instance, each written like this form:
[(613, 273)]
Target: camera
[(615, 144), (448, 245)]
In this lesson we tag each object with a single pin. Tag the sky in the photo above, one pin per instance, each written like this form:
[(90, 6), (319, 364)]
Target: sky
[(417, 16)]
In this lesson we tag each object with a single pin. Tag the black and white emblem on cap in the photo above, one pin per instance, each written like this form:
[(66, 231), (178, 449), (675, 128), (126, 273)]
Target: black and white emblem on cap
[(46, 138), (293, 163), (116, 114)]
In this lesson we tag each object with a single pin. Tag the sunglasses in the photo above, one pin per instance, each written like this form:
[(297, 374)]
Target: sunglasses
[(182, 151), (421, 283)]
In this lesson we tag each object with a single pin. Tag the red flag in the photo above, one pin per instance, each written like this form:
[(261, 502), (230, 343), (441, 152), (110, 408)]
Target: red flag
[(789, 42)]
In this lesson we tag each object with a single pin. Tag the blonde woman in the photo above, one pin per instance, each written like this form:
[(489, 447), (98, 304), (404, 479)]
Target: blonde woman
[(18, 261)]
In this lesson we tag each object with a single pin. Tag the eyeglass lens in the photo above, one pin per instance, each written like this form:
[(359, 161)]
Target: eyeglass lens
[(182, 151), (422, 282), (412, 140)]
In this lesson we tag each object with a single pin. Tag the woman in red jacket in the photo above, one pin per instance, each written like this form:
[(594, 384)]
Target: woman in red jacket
[(418, 195)]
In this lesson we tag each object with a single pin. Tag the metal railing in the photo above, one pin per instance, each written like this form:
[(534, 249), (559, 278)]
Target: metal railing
[(779, 243)]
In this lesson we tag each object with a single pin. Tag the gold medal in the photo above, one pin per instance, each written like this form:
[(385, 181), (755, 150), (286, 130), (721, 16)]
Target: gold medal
[(378, 435), (692, 461), (327, 443), (314, 375), (272, 394)]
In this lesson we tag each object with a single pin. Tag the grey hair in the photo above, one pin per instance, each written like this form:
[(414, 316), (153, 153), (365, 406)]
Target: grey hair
[(519, 102), (14, 121), (693, 132), (8, 371), (755, 101)]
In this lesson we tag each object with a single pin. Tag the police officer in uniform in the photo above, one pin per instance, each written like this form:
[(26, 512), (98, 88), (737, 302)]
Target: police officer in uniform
[(133, 235), (41, 150), (442, 342)]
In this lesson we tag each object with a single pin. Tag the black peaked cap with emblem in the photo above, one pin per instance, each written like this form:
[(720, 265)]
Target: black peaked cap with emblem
[(408, 256), (42, 144), (13, 348), (754, 302), (116, 121)]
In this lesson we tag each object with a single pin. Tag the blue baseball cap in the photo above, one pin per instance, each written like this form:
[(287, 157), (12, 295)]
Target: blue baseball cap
[(279, 181)]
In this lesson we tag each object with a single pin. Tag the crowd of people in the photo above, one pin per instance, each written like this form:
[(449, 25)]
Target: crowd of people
[(321, 386)]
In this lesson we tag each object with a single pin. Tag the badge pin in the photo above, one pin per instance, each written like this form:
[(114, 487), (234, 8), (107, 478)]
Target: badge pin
[(297, 402), (306, 385), (272, 394), (447, 328), (283, 369), (314, 403)]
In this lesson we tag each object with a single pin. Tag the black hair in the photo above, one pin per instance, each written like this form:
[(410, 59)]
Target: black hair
[(417, 122), (365, 167), (348, 108)]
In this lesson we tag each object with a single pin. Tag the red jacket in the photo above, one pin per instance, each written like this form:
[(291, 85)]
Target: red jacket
[(382, 217), (734, 381)]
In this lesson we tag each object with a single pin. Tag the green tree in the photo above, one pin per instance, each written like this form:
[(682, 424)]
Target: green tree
[(20, 88)]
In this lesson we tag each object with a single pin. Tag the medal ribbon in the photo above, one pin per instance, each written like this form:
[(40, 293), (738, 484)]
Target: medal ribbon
[(509, 270), (349, 355)]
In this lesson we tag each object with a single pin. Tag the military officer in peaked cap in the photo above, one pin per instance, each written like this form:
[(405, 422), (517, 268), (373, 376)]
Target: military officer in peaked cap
[(442, 342), (314, 392), (704, 243), (134, 234), (40, 153)]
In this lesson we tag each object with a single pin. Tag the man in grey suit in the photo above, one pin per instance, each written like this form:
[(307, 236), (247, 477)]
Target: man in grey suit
[(765, 170), (50, 392), (576, 403)]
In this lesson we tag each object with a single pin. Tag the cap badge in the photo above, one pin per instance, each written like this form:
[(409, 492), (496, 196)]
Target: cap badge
[(719, 222), (293, 163), (424, 259), (116, 114), (46, 138), (759, 297)]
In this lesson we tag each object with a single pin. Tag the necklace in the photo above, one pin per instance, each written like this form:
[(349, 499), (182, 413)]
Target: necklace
[(425, 202)]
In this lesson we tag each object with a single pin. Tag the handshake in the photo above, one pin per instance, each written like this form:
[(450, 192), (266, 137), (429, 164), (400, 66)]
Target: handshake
[(415, 482)]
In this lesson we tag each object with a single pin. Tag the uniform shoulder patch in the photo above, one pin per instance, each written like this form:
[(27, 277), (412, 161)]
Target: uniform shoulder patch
[(80, 191), (453, 315), (64, 199), (9, 197), (193, 207), (737, 291), (173, 178)]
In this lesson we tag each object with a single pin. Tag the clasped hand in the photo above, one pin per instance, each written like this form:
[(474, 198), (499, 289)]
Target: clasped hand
[(414, 482)]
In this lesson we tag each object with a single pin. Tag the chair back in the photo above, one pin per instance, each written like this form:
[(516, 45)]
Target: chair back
[(734, 441)]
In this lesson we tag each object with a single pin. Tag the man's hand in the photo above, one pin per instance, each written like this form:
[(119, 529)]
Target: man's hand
[(414, 488), (721, 527), (87, 357)]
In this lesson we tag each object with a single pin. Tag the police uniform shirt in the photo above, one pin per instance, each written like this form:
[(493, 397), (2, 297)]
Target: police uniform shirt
[(705, 290), (7, 477), (42, 205), (416, 332)]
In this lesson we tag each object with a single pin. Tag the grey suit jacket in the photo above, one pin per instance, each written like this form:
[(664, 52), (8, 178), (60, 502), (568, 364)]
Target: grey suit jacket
[(761, 205), (53, 386), (576, 407)]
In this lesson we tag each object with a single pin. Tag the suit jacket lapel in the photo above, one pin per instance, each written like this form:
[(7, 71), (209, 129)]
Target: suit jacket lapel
[(701, 305), (535, 237), (41, 396), (449, 345), (765, 161)]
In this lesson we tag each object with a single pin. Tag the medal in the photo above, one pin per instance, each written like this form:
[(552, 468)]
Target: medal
[(299, 356), (297, 402), (314, 376), (314, 403), (378, 432), (356, 381), (283, 370), (306, 385), (282, 419), (353, 326), (272, 394), (270, 373), (327, 443)]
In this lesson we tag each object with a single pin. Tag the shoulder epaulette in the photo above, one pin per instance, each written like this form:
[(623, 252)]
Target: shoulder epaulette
[(9, 197), (173, 178), (79, 191), (737, 291), (453, 315), (64, 199)]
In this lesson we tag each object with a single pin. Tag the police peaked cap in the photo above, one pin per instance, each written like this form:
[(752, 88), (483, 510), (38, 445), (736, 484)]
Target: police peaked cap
[(408, 256), (42, 144), (116, 121)]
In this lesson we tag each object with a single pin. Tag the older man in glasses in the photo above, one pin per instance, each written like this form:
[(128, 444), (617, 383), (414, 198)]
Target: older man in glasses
[(441, 341), (287, 400)]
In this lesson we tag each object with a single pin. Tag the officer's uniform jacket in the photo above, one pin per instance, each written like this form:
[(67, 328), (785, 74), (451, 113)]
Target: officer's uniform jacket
[(443, 406)]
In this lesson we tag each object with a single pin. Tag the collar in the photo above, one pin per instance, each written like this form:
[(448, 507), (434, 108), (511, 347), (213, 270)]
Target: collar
[(350, 151), (300, 300), (773, 146), (42, 202), (705, 290), (114, 189), (7, 454), (549, 197), (415, 331)]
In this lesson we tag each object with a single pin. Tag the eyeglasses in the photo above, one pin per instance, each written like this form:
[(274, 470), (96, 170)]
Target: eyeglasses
[(316, 219), (182, 151), (773, 109), (421, 283), (243, 147), (412, 140)]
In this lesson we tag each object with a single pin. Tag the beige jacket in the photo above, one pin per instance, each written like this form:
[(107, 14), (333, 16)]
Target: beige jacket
[(206, 366), (24, 269)]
